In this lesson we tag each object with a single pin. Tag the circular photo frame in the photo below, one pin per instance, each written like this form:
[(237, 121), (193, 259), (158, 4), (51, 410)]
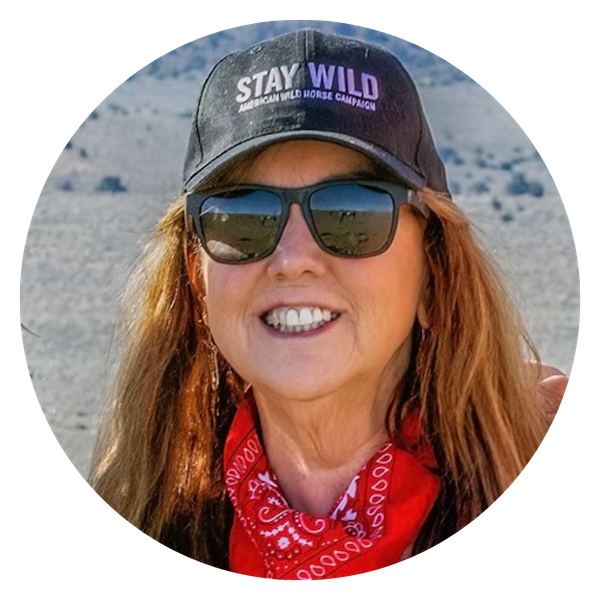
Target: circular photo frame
[(121, 171)]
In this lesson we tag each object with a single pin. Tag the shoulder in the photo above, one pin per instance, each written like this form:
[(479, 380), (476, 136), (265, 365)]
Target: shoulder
[(551, 388)]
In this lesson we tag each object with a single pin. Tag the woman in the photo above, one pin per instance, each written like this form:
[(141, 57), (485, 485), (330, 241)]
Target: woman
[(321, 372)]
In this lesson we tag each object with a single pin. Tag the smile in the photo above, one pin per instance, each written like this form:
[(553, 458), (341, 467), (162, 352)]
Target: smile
[(298, 319)]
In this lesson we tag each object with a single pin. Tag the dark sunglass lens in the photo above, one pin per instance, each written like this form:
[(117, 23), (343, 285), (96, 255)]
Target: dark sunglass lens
[(240, 225), (352, 219)]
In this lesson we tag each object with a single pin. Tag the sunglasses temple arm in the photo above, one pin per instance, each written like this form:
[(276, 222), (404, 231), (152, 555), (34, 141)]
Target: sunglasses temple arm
[(190, 204)]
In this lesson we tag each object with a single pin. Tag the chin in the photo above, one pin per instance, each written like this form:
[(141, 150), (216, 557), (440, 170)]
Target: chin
[(298, 385)]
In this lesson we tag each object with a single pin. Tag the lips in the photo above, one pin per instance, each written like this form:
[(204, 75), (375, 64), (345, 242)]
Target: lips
[(296, 319)]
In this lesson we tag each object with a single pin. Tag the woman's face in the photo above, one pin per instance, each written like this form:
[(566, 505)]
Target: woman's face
[(367, 347)]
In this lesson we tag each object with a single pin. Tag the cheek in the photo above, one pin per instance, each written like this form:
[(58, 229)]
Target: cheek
[(400, 278), (220, 306), (398, 297), (409, 254), (384, 307), (228, 290)]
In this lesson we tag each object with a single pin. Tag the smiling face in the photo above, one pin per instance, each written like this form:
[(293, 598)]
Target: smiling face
[(371, 302)]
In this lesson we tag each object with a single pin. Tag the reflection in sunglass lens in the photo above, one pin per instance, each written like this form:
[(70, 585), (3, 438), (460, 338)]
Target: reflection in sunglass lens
[(351, 219), (240, 225)]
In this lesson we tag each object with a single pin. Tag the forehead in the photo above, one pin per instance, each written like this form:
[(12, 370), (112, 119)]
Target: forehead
[(300, 163)]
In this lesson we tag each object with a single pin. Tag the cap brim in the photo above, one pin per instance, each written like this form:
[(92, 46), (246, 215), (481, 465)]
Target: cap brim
[(405, 174)]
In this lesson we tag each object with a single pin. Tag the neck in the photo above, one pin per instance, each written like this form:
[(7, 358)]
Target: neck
[(316, 446)]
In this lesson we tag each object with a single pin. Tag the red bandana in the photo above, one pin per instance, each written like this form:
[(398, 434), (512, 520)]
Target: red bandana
[(369, 527)]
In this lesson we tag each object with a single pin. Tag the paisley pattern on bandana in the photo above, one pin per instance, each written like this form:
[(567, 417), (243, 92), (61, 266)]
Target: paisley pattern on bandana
[(370, 526)]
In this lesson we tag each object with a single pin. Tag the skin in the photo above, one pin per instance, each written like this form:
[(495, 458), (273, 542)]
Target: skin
[(321, 397), (553, 385)]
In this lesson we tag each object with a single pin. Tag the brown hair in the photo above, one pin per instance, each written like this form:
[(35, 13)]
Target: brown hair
[(473, 378), (159, 453)]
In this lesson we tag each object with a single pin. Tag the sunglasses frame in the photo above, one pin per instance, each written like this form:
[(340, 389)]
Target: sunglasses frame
[(399, 193)]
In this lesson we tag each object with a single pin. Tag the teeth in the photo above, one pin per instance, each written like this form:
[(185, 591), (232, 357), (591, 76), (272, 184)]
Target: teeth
[(295, 320), (305, 317)]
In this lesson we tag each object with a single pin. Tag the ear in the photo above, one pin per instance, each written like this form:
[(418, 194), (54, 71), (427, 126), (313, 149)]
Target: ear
[(422, 313)]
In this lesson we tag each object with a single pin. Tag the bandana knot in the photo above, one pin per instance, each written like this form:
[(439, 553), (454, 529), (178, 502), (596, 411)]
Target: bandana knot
[(369, 527)]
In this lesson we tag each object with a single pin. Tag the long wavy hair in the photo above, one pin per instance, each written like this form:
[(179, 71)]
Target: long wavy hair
[(471, 382)]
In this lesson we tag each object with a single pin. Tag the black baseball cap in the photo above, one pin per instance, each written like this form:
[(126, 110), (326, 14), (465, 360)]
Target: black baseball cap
[(313, 85)]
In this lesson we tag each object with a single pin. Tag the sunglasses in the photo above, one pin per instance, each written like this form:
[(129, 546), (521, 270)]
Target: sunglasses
[(348, 218)]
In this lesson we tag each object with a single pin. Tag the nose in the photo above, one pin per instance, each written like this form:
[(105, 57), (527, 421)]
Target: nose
[(297, 253)]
